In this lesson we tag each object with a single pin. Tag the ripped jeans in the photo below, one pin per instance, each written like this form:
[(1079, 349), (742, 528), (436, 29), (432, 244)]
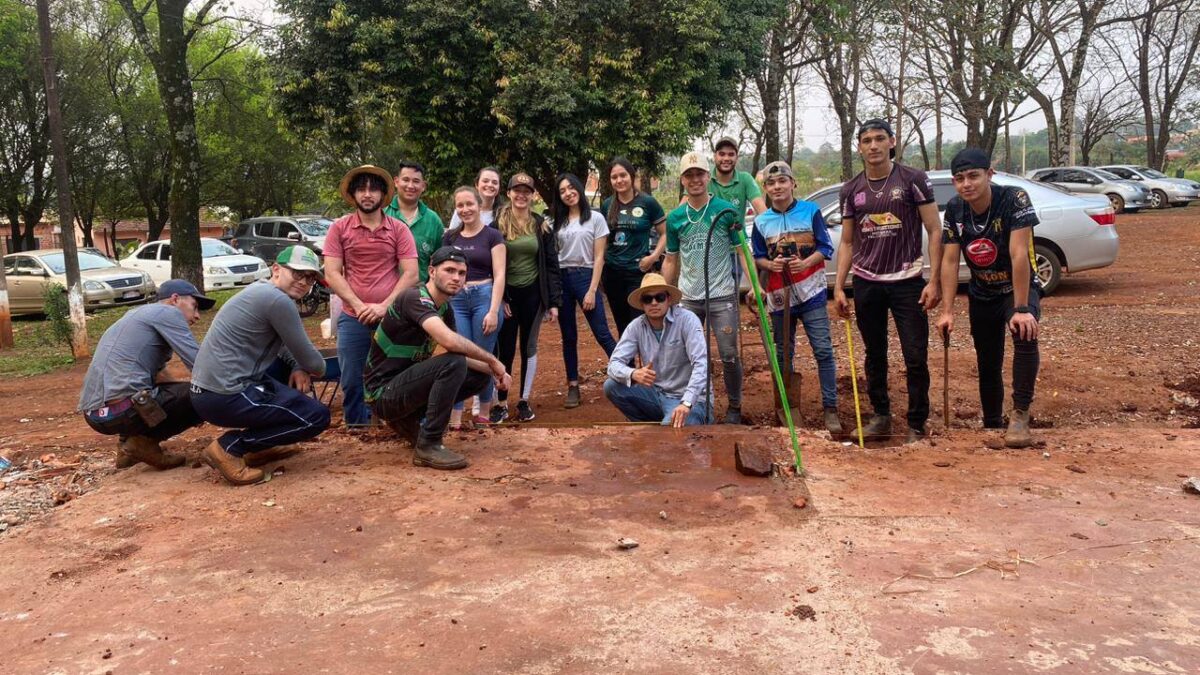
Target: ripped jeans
[(724, 320)]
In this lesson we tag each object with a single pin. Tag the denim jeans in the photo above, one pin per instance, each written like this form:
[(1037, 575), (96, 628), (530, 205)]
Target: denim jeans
[(639, 403), (816, 327), (872, 302), (353, 343), (575, 282), (470, 306), (263, 416), (725, 322), (175, 400)]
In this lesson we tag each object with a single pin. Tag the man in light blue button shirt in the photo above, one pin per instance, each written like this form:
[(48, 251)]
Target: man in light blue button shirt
[(668, 341)]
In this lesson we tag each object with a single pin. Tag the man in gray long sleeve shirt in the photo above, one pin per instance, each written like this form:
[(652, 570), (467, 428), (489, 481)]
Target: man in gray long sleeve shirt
[(129, 355), (669, 340), (230, 387)]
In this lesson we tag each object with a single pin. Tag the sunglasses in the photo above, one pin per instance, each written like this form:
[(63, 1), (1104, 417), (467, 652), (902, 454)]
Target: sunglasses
[(657, 297)]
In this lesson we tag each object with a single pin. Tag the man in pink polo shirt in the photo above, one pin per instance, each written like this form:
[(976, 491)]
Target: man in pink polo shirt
[(370, 258)]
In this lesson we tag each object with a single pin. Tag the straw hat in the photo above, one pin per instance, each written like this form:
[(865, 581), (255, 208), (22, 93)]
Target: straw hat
[(344, 186), (652, 283)]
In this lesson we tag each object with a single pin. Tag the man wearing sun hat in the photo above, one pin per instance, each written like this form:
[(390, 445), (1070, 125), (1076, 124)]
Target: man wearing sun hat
[(230, 386), (370, 258), (119, 395), (668, 341)]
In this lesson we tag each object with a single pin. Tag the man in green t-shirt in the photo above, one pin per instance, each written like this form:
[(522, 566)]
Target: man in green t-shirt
[(736, 187), (424, 223), (713, 299)]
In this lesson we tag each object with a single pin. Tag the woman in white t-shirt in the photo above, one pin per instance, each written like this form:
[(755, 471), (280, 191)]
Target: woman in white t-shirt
[(487, 184), (582, 239)]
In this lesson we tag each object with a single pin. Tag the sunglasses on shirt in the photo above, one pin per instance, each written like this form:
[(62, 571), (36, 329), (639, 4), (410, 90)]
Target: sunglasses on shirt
[(657, 297)]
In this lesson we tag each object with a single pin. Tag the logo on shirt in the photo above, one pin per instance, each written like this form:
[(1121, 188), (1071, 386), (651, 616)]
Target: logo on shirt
[(860, 199), (897, 193), (638, 212), (982, 252), (1022, 198), (619, 240), (881, 221)]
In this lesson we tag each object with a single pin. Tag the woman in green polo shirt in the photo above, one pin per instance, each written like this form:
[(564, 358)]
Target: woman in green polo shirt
[(532, 291), (632, 215)]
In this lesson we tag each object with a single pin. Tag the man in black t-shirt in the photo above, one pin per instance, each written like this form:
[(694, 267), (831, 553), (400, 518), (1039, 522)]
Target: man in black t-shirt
[(992, 226), (419, 367)]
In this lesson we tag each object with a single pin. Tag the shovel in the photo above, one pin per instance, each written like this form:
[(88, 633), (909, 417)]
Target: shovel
[(946, 378), (791, 380)]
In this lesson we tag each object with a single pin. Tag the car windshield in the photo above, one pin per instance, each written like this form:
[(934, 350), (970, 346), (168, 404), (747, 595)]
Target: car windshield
[(211, 248), (1151, 173), (316, 227), (1107, 175), (87, 261)]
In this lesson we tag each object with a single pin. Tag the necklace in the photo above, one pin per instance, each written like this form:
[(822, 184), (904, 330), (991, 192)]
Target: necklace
[(700, 213), (886, 179), (986, 219)]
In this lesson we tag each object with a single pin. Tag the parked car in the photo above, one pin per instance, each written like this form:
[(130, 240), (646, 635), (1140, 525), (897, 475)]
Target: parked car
[(224, 266), (1126, 196), (266, 236), (105, 283), (1076, 233), (1164, 190)]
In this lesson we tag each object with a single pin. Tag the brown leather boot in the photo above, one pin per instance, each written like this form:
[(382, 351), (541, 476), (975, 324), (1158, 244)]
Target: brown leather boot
[(123, 459), (146, 449), (232, 469), (1018, 435), (262, 457)]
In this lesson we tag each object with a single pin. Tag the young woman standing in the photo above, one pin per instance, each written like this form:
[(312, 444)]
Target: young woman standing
[(631, 216), (582, 241), (533, 288), (477, 314), (487, 186)]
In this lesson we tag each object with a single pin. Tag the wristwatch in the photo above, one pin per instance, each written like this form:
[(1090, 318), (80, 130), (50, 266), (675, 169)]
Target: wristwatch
[(685, 403), (1023, 309)]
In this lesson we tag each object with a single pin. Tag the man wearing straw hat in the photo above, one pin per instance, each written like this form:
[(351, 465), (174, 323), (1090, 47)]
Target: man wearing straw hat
[(370, 258), (668, 341)]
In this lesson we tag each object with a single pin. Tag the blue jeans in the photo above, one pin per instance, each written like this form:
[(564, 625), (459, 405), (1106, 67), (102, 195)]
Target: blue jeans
[(262, 416), (470, 306), (639, 403), (353, 343), (816, 327), (575, 283)]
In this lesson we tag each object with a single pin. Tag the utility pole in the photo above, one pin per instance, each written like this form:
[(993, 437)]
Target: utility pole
[(62, 184)]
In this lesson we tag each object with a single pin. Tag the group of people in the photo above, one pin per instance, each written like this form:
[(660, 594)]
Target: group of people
[(433, 317)]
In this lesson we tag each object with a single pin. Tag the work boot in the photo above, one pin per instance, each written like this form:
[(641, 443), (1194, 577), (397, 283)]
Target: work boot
[(572, 396), (832, 423), (878, 428), (1018, 435), (146, 449), (123, 459), (524, 412), (498, 415), (733, 415), (438, 456), (914, 435), (232, 469), (264, 457)]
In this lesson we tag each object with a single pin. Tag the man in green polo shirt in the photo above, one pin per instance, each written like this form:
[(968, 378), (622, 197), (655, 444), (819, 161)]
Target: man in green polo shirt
[(736, 187), (424, 223)]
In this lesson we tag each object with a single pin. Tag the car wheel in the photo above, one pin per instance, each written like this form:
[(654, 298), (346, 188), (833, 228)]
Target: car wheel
[(1158, 199), (1049, 267), (1117, 202)]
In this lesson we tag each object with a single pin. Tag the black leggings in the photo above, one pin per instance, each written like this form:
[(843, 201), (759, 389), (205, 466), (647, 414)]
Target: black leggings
[(618, 284), (526, 306), (989, 328)]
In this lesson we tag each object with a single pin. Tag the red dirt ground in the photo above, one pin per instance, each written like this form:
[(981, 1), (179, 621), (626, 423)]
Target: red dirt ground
[(945, 556)]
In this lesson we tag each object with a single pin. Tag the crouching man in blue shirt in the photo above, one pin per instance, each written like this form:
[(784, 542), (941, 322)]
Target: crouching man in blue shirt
[(669, 342)]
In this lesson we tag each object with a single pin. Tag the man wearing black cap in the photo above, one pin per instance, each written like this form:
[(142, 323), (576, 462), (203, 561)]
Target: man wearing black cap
[(992, 225), (883, 211), (119, 395), (419, 367)]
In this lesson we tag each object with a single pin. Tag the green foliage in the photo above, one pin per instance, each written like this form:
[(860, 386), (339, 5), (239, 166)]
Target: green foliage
[(545, 87), (58, 315)]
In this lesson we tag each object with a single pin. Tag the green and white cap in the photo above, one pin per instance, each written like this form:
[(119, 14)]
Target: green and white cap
[(299, 258)]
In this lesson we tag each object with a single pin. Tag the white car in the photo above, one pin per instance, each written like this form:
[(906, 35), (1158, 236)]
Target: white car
[(224, 266)]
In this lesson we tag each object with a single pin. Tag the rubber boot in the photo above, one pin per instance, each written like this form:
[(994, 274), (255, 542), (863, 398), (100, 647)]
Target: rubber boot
[(733, 415), (232, 469), (878, 428), (572, 396), (832, 423), (438, 456), (146, 449), (1018, 435)]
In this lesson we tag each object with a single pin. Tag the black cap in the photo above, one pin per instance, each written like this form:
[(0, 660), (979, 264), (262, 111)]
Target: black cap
[(877, 123), (970, 158), (184, 287), (447, 253)]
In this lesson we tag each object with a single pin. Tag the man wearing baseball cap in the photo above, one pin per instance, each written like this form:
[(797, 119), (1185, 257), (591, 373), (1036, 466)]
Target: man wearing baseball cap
[(419, 367), (230, 386), (370, 257), (992, 226), (886, 210), (667, 341), (791, 244), (736, 187), (120, 397), (708, 283)]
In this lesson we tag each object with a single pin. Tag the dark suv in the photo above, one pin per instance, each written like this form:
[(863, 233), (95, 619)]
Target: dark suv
[(266, 236)]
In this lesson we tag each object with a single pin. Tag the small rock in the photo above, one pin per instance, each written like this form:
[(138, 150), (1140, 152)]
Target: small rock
[(751, 461), (1171, 437), (1192, 485), (1045, 455), (942, 464), (1128, 408), (662, 515), (1074, 468), (800, 503), (812, 589), (1080, 536), (625, 543), (804, 612), (269, 503), (1102, 523), (358, 529), (994, 443)]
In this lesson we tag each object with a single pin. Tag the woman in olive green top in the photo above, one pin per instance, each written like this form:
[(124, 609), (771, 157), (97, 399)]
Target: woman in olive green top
[(532, 291), (631, 215)]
